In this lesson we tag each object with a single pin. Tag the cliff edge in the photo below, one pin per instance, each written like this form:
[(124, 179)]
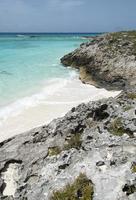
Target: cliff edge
[(108, 60)]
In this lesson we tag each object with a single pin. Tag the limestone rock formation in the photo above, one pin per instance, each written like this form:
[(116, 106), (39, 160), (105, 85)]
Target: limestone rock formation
[(97, 139), (108, 60), (90, 153)]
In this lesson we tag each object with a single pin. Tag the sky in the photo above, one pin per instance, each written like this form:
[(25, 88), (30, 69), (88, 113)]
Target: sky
[(67, 15)]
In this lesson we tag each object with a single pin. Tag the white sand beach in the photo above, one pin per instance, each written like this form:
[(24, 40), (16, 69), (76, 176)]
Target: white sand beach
[(40, 109)]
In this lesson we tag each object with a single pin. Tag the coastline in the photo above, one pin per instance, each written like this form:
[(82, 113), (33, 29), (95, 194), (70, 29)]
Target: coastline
[(107, 61), (97, 135), (49, 158), (30, 115)]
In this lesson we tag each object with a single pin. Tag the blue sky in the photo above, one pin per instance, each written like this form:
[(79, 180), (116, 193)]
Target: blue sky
[(67, 15)]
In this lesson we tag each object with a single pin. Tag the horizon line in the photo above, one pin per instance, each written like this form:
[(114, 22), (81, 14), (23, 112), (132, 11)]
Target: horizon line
[(51, 32)]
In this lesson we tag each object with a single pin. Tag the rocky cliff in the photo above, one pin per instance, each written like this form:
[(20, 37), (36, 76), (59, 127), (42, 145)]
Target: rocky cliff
[(108, 60), (90, 153)]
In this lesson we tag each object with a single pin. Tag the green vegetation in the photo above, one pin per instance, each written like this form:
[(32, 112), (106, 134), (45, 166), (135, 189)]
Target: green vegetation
[(53, 151), (127, 108), (119, 39), (131, 95), (74, 142), (133, 168), (81, 189), (127, 35), (116, 127)]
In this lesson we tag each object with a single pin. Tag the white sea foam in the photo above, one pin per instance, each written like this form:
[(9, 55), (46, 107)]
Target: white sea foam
[(53, 101), (56, 98), (31, 63), (51, 87)]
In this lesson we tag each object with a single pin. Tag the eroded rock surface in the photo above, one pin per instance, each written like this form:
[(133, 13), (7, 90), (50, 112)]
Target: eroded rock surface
[(97, 139), (106, 61)]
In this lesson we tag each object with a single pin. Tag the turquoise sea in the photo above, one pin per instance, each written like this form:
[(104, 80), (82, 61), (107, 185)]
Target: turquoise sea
[(28, 61), (34, 87)]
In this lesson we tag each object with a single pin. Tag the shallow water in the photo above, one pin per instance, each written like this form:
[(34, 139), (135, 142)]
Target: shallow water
[(34, 86), (27, 62)]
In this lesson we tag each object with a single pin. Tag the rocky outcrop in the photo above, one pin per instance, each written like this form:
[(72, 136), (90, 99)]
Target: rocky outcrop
[(107, 60), (96, 141), (90, 153)]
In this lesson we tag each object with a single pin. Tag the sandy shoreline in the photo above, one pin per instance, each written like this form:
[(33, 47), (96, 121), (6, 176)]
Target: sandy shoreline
[(56, 105)]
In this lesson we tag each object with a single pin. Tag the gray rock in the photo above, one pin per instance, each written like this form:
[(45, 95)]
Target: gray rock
[(46, 159), (106, 61)]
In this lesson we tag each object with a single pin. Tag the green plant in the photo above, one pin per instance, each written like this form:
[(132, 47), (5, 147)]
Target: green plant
[(116, 127), (53, 151), (81, 189), (131, 95), (133, 168), (74, 142)]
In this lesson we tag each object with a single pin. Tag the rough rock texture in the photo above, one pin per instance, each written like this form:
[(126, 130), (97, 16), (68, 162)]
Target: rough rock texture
[(97, 139), (107, 60)]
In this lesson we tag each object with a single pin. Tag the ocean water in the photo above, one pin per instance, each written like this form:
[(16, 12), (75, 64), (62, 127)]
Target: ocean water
[(34, 87), (29, 61)]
